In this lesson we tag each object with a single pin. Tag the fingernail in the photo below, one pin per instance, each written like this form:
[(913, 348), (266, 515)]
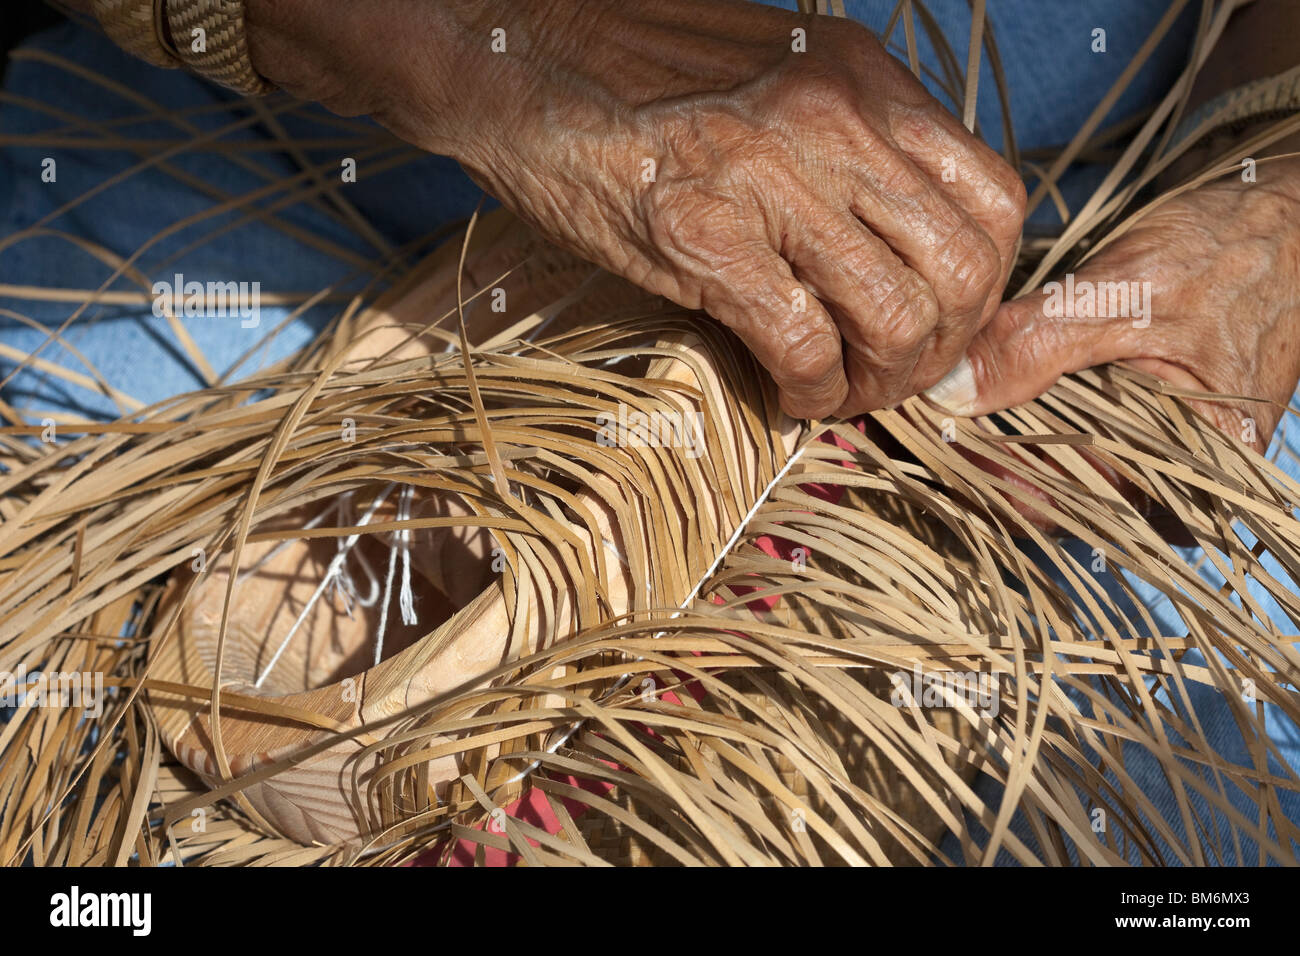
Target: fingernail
[(956, 391)]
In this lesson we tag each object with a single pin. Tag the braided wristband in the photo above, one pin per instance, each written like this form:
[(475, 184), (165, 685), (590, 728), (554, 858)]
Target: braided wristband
[(136, 27), (1268, 98), (207, 36), (210, 38)]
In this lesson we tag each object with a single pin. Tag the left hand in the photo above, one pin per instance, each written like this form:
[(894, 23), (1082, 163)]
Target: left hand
[(1223, 314)]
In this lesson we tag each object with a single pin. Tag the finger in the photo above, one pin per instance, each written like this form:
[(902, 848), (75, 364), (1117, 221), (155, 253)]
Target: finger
[(884, 311), (940, 241), (757, 296), (1023, 351), (977, 178)]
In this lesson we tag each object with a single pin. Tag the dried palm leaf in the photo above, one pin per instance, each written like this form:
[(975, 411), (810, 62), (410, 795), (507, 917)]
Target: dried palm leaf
[(748, 656)]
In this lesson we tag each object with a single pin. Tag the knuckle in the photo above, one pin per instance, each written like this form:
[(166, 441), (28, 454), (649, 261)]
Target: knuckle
[(808, 358), (1026, 340), (689, 228), (1008, 198), (743, 288), (908, 314), (1015, 196), (727, 295), (864, 271), (975, 267), (900, 180), (823, 93), (1024, 318), (913, 123)]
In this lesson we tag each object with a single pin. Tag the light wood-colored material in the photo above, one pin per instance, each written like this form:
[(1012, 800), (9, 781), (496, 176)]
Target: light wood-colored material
[(323, 672)]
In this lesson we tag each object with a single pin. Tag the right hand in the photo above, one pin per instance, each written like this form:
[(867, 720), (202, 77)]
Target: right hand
[(798, 197)]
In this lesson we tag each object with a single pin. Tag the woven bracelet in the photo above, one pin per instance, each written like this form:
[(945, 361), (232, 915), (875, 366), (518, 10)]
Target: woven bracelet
[(136, 27), (206, 36), (1272, 97)]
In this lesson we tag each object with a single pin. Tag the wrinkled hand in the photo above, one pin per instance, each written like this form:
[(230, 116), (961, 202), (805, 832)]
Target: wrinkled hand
[(820, 203), (1223, 263)]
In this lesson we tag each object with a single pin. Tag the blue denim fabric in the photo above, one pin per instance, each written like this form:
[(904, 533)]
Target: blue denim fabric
[(136, 351), (1054, 78)]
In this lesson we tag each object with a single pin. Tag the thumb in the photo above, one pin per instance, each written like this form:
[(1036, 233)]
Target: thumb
[(1028, 344)]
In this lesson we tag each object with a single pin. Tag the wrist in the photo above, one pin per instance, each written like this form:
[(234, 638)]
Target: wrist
[(345, 56), (420, 70), (472, 73)]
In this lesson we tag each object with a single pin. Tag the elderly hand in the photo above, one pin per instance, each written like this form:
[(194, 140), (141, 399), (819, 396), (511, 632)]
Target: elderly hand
[(1223, 314), (782, 172)]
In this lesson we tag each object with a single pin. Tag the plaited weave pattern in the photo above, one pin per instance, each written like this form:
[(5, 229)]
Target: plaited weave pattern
[(133, 26), (223, 57), (1260, 99)]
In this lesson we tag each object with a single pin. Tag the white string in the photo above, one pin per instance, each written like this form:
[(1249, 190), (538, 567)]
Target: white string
[(368, 601), (335, 566), (406, 597), (383, 608), (681, 608), (341, 585), (740, 529), (345, 584)]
